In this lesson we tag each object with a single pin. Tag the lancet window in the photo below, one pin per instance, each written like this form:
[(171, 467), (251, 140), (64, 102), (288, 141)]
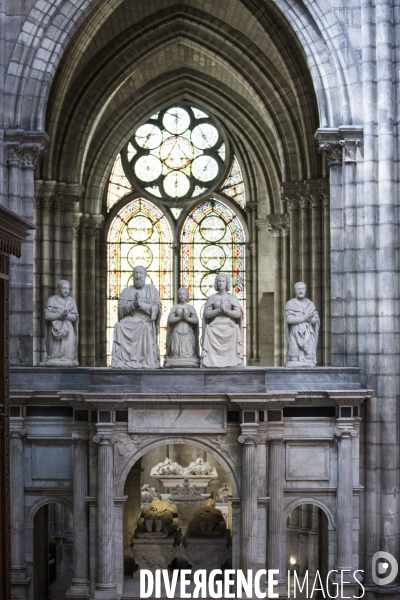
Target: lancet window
[(178, 154)]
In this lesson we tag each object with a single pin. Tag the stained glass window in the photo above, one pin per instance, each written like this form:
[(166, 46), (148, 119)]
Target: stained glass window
[(119, 184), (139, 234), (177, 154), (234, 185), (212, 241)]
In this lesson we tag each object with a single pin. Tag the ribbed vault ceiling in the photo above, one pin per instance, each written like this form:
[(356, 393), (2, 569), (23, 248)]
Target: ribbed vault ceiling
[(130, 59)]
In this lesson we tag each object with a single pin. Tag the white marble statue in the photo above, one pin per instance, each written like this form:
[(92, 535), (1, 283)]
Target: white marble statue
[(200, 467), (62, 320), (302, 326), (135, 335), (182, 334), (222, 327), (166, 467)]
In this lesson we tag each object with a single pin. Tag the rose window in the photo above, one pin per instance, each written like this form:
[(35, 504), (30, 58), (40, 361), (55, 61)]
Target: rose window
[(179, 153)]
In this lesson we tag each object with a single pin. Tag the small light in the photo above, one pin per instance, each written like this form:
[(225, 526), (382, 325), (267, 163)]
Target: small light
[(292, 560)]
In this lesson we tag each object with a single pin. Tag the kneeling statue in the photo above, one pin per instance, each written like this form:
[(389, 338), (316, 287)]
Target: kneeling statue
[(206, 521), (182, 334), (302, 326), (62, 320), (222, 327), (158, 519)]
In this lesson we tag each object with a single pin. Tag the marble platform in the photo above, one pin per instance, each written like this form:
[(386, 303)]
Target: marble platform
[(257, 380)]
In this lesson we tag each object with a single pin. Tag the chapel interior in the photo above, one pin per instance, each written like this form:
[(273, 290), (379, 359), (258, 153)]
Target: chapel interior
[(197, 139)]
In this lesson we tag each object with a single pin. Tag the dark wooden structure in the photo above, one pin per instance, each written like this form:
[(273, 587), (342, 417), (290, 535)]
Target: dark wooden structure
[(13, 230)]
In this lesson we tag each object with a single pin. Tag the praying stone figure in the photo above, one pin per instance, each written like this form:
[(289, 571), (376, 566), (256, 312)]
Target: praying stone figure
[(206, 521), (302, 326), (158, 519), (222, 327), (62, 320), (135, 335), (182, 334)]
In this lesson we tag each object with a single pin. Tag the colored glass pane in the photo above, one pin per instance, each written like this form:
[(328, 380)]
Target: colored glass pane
[(180, 151), (212, 241), (139, 234), (119, 185), (234, 185)]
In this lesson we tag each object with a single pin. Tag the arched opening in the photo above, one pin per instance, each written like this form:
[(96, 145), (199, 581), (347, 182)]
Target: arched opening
[(195, 483), (52, 568), (307, 550)]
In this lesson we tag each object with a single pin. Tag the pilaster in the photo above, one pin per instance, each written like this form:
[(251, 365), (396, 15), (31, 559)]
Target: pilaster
[(276, 478), (80, 582), (249, 439), (19, 579), (106, 588)]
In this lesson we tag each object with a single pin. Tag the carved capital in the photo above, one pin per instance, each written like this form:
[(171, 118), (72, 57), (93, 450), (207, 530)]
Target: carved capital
[(18, 433), (13, 155), (94, 225), (333, 152), (30, 155), (278, 225), (249, 439), (350, 150), (105, 438), (292, 200), (58, 201), (343, 432)]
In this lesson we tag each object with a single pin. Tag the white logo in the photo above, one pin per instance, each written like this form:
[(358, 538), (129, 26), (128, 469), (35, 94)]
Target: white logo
[(384, 563)]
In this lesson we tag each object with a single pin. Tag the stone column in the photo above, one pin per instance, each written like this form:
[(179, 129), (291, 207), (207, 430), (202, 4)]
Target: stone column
[(344, 433), (313, 541), (326, 280), (276, 477), (350, 265), (46, 280), (252, 208), (106, 588), (305, 237), (303, 538), (249, 438), (82, 262), (94, 225), (80, 581), (291, 197), (23, 152), (17, 494), (75, 257), (58, 206), (119, 543), (278, 225)]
